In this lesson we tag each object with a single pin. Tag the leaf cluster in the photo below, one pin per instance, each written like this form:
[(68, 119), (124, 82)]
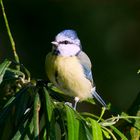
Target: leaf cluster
[(30, 110)]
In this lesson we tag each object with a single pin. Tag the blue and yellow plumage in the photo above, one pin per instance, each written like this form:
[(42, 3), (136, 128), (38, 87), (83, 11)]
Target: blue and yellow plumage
[(69, 68)]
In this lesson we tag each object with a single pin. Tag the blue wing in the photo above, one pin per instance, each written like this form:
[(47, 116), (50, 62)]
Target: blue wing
[(86, 64), (88, 73)]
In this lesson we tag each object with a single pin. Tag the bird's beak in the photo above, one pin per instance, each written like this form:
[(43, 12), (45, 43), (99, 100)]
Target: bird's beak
[(55, 43)]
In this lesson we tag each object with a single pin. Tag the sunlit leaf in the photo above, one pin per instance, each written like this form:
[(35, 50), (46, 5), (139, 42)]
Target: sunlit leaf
[(72, 124), (96, 130)]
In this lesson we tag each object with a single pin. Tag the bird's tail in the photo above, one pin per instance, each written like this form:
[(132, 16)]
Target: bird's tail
[(98, 98)]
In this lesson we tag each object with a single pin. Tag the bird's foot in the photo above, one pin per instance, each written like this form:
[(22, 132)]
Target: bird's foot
[(76, 99), (69, 104)]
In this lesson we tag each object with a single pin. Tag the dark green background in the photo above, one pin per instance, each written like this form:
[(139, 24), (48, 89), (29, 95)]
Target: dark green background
[(109, 32)]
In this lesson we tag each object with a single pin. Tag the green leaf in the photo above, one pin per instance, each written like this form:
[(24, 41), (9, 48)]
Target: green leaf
[(10, 105), (96, 130), (49, 104), (20, 131), (54, 88), (135, 131), (137, 121), (106, 134), (123, 137), (85, 134), (9, 102), (60, 114), (23, 104), (72, 124), (13, 74), (36, 116), (53, 129), (12, 114), (3, 68)]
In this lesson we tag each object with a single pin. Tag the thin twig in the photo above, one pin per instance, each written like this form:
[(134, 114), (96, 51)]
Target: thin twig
[(10, 35), (113, 120), (102, 113)]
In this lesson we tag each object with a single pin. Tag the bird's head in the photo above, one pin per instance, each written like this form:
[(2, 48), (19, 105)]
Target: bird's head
[(66, 43)]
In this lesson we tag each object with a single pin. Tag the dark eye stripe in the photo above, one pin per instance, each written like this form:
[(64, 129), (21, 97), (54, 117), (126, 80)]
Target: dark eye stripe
[(65, 42)]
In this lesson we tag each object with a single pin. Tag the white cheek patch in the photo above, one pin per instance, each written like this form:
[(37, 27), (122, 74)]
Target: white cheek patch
[(68, 50)]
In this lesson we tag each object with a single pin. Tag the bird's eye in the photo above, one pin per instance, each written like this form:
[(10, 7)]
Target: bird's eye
[(65, 42)]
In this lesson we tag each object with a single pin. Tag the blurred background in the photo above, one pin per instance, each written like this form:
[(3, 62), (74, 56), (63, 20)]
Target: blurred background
[(109, 32)]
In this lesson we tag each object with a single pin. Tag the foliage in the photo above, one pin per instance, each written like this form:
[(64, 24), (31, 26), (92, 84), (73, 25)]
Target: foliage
[(32, 113), (34, 109)]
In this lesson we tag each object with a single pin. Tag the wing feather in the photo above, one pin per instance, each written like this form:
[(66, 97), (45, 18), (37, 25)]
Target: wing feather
[(86, 64)]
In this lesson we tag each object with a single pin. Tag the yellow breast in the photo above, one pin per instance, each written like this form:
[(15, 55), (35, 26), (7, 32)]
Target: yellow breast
[(67, 74)]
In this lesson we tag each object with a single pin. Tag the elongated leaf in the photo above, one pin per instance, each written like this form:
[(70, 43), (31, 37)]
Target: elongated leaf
[(8, 119), (44, 135), (9, 102), (23, 104), (123, 137), (36, 116), (96, 130), (3, 68), (21, 130), (53, 128), (29, 128), (84, 132), (49, 105), (76, 131), (72, 124), (50, 119), (61, 121), (25, 129)]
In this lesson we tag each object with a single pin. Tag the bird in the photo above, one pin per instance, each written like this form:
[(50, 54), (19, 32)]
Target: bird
[(69, 68)]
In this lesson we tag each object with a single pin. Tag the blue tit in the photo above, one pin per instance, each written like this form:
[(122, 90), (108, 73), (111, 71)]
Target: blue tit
[(69, 68)]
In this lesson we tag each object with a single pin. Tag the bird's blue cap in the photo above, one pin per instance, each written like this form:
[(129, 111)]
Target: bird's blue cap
[(69, 33)]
